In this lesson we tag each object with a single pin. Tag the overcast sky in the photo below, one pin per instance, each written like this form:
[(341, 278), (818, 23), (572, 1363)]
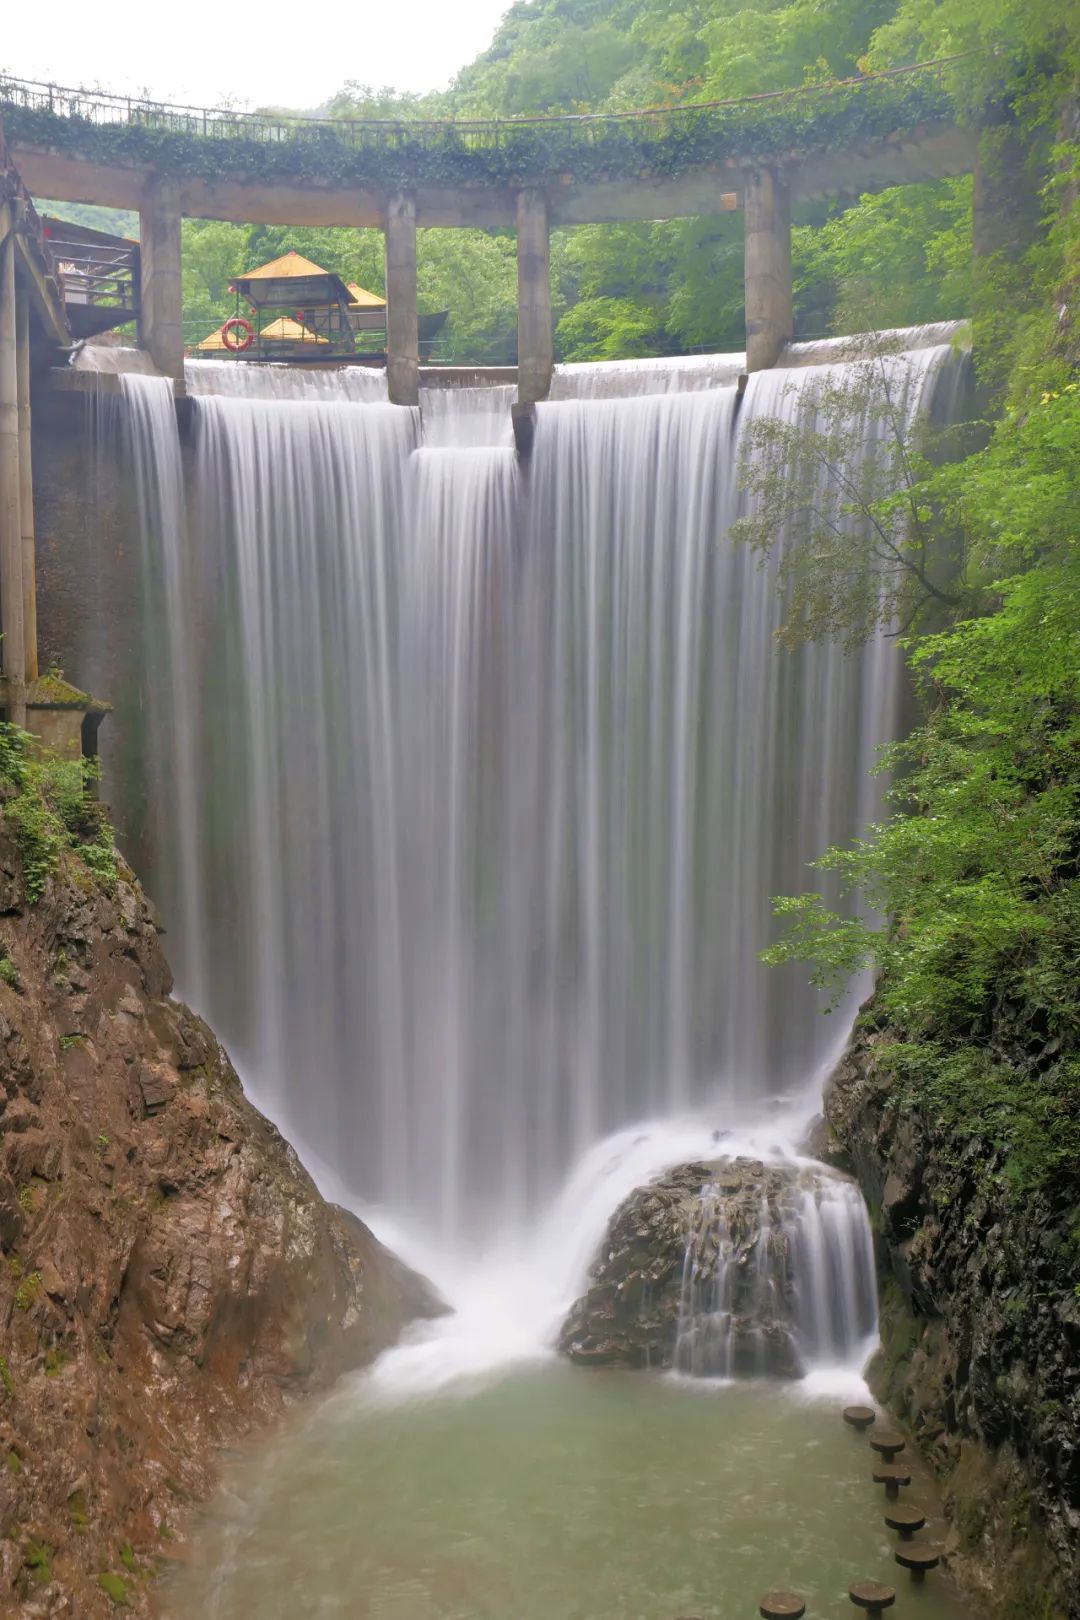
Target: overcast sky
[(209, 52)]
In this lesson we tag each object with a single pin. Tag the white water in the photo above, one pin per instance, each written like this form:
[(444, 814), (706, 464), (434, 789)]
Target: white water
[(481, 782)]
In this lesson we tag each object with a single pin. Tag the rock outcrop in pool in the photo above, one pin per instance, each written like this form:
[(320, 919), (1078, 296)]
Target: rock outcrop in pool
[(730, 1268)]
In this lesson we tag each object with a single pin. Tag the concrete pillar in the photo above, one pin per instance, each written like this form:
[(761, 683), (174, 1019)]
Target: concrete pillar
[(402, 321), (161, 322), (536, 339), (26, 486), (769, 310), (12, 645)]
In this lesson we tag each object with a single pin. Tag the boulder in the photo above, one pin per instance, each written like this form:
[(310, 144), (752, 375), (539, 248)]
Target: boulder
[(697, 1272)]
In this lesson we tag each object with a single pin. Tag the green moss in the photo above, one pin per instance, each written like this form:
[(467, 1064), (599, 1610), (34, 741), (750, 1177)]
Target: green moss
[(14, 1462), (7, 1382), (37, 1555), (9, 973), (127, 1557), (116, 1588), (900, 1333), (55, 1362), (78, 1510), (52, 690), (28, 1291)]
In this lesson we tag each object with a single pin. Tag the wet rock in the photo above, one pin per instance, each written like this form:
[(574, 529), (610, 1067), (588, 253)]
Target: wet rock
[(696, 1271), (980, 1326), (170, 1277)]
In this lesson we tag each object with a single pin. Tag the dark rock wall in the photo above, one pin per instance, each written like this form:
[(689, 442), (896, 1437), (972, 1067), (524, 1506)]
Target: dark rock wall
[(980, 1322), (169, 1275)]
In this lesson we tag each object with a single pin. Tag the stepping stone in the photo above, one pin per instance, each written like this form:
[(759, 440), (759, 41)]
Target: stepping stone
[(782, 1606), (892, 1477), (905, 1519), (918, 1560), (872, 1596), (887, 1445), (860, 1417)]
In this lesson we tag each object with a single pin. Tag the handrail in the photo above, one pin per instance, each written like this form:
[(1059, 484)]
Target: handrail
[(90, 104)]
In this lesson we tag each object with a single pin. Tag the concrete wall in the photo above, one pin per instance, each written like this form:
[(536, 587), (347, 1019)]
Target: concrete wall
[(89, 581)]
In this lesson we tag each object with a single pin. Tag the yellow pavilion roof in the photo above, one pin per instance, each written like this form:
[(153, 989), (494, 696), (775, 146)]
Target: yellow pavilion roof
[(283, 330), (290, 264), (286, 330), (360, 298)]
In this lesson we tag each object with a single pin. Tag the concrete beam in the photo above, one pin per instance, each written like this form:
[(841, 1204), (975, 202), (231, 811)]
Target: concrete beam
[(26, 484), (402, 321), (536, 338), (768, 287), (930, 153), (161, 324), (12, 644)]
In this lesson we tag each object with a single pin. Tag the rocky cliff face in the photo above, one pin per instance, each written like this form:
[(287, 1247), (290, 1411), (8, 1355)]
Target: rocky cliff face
[(980, 1326), (702, 1270), (169, 1277)]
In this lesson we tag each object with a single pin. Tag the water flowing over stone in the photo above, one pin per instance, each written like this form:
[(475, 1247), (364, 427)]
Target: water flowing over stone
[(728, 1268), (489, 772)]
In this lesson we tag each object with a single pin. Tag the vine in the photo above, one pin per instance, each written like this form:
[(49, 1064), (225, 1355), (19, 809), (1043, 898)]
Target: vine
[(383, 156)]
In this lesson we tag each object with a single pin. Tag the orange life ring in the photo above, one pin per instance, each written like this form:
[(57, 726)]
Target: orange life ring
[(237, 323)]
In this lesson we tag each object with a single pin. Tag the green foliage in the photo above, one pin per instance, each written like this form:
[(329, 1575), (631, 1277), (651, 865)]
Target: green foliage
[(37, 1555), (117, 1588), (51, 815), (7, 1382), (976, 872), (897, 258), (28, 1291), (9, 973), (608, 329), (863, 545)]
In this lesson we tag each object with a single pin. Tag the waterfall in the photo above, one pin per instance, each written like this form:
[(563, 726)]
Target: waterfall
[(482, 776), (787, 1286)]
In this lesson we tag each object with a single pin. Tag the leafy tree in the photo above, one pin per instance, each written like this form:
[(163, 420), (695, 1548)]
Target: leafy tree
[(846, 483)]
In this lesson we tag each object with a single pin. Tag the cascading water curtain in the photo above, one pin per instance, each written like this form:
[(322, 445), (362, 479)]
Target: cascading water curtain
[(493, 772)]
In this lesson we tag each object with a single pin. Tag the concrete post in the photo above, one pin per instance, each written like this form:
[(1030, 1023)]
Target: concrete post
[(769, 310), (402, 321), (12, 645), (161, 324), (26, 486), (536, 340)]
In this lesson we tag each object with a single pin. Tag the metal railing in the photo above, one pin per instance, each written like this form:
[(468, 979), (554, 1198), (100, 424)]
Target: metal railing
[(222, 123), (95, 275)]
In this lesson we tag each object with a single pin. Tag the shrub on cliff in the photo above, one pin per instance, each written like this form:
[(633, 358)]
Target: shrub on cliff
[(47, 803)]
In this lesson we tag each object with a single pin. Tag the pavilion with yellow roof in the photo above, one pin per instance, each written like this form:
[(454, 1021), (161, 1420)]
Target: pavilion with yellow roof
[(296, 310)]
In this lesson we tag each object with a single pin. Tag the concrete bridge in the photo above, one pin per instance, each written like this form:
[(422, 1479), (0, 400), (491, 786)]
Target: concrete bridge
[(764, 155)]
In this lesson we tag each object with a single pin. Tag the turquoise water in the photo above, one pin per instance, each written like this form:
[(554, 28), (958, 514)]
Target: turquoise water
[(553, 1494)]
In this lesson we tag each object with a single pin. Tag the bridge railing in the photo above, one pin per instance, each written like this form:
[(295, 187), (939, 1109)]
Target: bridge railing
[(221, 123)]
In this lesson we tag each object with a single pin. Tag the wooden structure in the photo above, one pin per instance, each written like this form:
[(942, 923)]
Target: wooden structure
[(277, 341), (99, 276), (316, 304), (367, 315)]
